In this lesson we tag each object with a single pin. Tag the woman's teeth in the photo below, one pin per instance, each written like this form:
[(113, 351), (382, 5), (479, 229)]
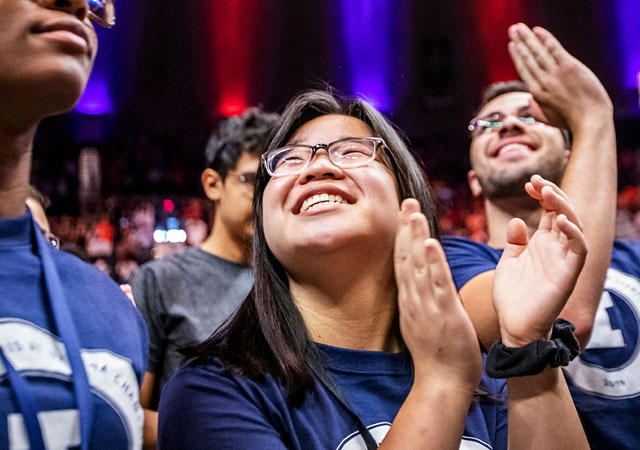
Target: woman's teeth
[(319, 199)]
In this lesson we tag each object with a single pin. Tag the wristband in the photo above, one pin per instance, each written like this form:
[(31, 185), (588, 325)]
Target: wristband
[(531, 359)]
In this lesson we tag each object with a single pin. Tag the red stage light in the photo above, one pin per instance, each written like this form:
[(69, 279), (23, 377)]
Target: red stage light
[(232, 108), (492, 20), (234, 25)]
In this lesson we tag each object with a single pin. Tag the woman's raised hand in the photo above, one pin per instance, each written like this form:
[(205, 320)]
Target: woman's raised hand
[(535, 277), (433, 322)]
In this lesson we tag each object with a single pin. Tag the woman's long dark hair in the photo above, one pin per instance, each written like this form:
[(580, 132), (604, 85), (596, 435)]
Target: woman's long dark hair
[(267, 335)]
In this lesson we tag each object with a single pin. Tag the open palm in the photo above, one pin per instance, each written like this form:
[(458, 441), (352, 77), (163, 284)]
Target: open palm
[(434, 325), (535, 276)]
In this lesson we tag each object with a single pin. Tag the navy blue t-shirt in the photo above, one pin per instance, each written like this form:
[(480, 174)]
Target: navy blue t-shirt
[(605, 379), (112, 335), (203, 406)]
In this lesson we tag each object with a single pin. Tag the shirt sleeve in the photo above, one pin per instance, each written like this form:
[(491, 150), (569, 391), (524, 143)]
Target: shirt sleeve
[(147, 297), (468, 259), (202, 409)]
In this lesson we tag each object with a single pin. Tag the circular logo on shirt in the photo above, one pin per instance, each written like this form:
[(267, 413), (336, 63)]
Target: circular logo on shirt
[(610, 366), (355, 442)]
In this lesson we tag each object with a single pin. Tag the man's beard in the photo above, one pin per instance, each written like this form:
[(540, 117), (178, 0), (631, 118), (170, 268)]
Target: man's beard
[(506, 185)]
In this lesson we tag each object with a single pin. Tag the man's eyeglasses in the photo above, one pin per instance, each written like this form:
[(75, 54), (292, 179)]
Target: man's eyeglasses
[(345, 153), (248, 178), (495, 121), (103, 12)]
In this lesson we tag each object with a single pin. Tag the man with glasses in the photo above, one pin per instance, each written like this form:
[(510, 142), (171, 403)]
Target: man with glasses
[(73, 348), (185, 297), (516, 135)]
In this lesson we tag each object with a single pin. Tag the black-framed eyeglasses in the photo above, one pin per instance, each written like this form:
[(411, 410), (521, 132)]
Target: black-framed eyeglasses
[(493, 122), (102, 12), (344, 153), (248, 178)]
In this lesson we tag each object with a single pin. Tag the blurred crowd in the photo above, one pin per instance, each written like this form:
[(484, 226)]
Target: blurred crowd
[(128, 231)]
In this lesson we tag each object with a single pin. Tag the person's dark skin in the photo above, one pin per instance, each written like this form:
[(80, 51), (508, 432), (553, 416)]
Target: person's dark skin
[(47, 50), (43, 71)]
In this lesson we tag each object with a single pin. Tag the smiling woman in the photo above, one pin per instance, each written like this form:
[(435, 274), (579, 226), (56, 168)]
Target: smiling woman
[(353, 335), (298, 221)]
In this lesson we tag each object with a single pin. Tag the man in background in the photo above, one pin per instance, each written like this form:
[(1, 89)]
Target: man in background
[(185, 297), (512, 139)]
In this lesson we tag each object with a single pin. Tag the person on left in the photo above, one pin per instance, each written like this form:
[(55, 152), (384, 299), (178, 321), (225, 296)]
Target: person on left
[(67, 377)]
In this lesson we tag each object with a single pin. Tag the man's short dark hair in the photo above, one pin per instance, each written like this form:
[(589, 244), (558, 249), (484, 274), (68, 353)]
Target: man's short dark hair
[(504, 87), (245, 133)]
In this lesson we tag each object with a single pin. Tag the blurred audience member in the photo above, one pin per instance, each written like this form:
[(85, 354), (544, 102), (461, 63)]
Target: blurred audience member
[(99, 239), (126, 268), (165, 249), (103, 266)]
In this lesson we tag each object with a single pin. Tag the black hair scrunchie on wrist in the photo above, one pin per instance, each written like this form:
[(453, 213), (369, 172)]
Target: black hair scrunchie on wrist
[(531, 359)]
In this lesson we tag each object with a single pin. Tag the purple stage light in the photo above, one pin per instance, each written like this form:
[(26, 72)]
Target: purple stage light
[(628, 12), (96, 100), (367, 30)]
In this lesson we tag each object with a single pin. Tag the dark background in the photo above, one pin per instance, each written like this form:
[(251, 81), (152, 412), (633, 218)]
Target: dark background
[(168, 65)]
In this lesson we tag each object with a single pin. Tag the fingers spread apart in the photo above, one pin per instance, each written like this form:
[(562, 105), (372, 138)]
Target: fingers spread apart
[(576, 242), (552, 198)]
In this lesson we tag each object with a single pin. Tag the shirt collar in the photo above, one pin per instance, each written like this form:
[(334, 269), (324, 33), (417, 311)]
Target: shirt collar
[(16, 232)]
